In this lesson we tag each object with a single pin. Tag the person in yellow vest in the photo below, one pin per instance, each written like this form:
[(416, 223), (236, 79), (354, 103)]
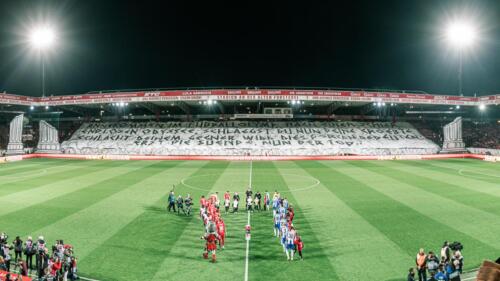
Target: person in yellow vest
[(421, 265)]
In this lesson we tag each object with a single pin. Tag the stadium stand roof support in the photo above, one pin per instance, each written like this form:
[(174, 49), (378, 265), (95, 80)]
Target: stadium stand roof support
[(77, 110), (332, 107), (220, 106), (150, 107), (184, 107)]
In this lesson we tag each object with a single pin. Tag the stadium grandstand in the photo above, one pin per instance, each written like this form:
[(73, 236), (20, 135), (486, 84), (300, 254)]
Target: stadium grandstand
[(251, 122)]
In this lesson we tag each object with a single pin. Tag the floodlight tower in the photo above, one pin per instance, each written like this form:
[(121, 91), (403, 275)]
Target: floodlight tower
[(461, 35), (42, 38)]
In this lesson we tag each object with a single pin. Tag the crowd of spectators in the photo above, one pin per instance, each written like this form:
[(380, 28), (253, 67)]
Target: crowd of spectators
[(4, 137), (430, 267), (482, 135), (474, 134), (430, 130), (35, 258)]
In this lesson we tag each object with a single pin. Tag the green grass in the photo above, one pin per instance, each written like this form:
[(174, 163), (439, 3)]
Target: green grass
[(360, 220)]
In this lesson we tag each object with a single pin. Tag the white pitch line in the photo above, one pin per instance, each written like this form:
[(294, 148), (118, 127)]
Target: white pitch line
[(248, 223), (87, 279), (461, 172), (247, 251), (476, 271)]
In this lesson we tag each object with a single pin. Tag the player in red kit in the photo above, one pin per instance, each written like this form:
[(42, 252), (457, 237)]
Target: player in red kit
[(211, 245), (299, 245), (214, 197), (203, 201), (221, 231), (212, 211), (290, 215)]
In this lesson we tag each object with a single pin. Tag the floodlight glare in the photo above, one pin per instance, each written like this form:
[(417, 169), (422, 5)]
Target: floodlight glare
[(461, 34), (482, 107), (42, 37)]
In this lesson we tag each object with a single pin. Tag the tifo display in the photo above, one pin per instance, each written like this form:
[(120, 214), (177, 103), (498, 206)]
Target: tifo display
[(248, 138)]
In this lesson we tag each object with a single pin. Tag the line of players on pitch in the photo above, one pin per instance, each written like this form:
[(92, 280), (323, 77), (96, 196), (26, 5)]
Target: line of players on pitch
[(215, 229), (283, 214)]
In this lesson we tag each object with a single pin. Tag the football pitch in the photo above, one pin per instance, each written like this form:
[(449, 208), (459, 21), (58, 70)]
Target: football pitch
[(359, 220)]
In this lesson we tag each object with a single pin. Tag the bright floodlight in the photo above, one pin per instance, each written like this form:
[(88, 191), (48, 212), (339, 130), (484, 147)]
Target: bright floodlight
[(461, 34), (42, 37), (482, 107)]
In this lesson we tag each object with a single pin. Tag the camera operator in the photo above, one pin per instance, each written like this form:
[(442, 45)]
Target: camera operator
[(29, 251), (458, 261), (3, 238), (445, 251), (58, 249), (5, 253), (40, 253), (72, 269), (432, 263), (457, 258), (18, 249), (43, 262)]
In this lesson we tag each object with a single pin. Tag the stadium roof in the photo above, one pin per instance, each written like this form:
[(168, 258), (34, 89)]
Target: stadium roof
[(247, 94)]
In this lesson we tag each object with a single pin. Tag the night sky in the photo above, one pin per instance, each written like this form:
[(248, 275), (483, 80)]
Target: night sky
[(106, 44)]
